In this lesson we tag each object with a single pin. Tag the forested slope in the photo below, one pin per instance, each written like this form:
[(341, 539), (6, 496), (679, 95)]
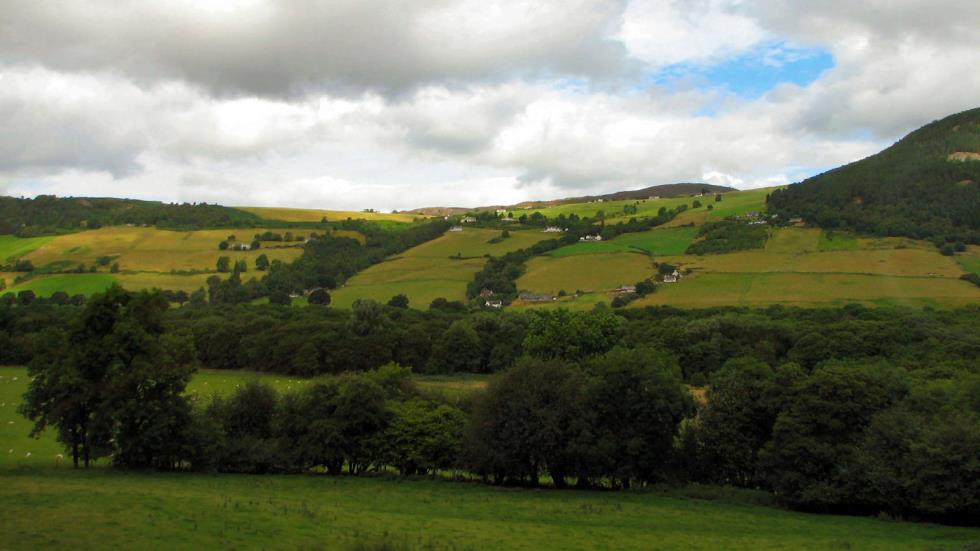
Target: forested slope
[(926, 186), (47, 214)]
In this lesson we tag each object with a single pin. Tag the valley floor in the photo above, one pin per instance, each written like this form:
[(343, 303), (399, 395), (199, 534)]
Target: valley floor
[(45, 504), (43, 508)]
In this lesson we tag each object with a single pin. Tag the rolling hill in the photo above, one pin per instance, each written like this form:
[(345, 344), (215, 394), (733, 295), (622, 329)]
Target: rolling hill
[(926, 186), (659, 191)]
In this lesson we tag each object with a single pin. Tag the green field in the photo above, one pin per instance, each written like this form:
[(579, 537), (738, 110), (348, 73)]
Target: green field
[(45, 504), (761, 289), (668, 241), (971, 259), (147, 257), (732, 203), (73, 284), (594, 273), (14, 247), (316, 215), (427, 272), (803, 266)]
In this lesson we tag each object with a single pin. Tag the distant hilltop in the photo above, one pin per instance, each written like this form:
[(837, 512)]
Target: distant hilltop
[(664, 190)]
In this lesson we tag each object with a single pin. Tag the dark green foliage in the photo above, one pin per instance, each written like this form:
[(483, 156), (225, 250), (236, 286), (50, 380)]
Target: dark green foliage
[(224, 264), (530, 421), (113, 384), (910, 189), (320, 297), (423, 436), (398, 301), (921, 458), (728, 236), (813, 450), (637, 402), (23, 265), (972, 278), (742, 403), (47, 214), (571, 335), (262, 262)]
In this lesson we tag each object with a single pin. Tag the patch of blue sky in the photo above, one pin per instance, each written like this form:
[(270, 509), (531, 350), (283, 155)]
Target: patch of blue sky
[(752, 73)]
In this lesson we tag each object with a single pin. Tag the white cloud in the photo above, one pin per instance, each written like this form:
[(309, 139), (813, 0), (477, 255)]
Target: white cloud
[(687, 31), (377, 103)]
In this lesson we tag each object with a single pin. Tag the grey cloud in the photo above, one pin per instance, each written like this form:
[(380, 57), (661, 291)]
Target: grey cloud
[(43, 137), (285, 49)]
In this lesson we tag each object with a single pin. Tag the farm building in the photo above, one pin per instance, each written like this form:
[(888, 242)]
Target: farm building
[(535, 297), (590, 238), (486, 293), (495, 304), (624, 289), (468, 220), (456, 228), (553, 229), (670, 278)]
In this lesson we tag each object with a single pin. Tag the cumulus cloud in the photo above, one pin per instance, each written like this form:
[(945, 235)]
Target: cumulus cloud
[(267, 48), (386, 104)]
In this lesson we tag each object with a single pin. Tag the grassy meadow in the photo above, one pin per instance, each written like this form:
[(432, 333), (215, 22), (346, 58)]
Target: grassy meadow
[(800, 266), (45, 504), (152, 250), (12, 247), (593, 273), (668, 241), (147, 257), (427, 272)]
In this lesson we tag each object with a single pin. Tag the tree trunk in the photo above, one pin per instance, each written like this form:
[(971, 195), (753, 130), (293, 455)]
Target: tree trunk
[(85, 444), (74, 452)]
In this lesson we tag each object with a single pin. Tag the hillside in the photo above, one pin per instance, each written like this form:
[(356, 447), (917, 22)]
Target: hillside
[(47, 214), (661, 191), (926, 186)]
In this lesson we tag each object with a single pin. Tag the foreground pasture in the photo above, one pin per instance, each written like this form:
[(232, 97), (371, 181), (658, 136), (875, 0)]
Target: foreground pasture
[(105, 509), (46, 504)]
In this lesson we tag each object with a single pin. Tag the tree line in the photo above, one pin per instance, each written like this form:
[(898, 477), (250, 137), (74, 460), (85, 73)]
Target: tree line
[(584, 404)]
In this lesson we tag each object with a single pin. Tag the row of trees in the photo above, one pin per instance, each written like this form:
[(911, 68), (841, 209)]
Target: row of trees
[(449, 339), (47, 214), (843, 436)]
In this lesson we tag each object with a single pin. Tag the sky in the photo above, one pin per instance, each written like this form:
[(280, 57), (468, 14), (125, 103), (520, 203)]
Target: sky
[(390, 104)]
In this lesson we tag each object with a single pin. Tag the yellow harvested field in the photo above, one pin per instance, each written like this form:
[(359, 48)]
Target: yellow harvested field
[(745, 289), (899, 262), (316, 215), (589, 273), (153, 250), (427, 272)]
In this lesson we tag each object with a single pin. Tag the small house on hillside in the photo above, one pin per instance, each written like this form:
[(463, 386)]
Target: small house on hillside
[(456, 228), (553, 229), (495, 304), (468, 220), (624, 289), (535, 297), (485, 293), (590, 238)]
